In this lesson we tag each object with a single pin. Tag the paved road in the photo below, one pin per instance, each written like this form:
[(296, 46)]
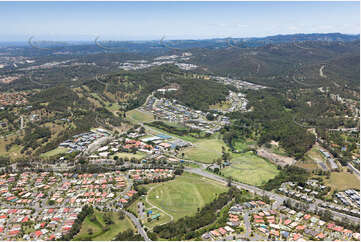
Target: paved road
[(138, 225), (141, 210), (274, 196), (247, 225)]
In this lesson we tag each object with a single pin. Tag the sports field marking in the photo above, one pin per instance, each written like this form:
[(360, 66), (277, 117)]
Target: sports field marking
[(146, 199)]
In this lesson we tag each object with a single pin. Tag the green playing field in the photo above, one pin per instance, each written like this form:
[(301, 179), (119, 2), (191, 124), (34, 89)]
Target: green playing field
[(184, 195)]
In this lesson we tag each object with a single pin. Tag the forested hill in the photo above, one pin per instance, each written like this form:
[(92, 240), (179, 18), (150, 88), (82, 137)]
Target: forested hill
[(286, 65), (281, 61)]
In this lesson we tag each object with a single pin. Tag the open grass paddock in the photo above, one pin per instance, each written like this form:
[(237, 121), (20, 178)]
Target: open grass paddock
[(184, 195), (251, 169), (56, 151), (138, 155), (205, 150), (139, 116), (97, 227), (342, 181)]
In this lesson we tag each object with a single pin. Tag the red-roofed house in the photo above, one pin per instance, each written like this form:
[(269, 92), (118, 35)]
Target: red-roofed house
[(215, 233), (14, 232), (287, 221), (296, 237), (300, 227), (38, 233), (330, 225), (338, 228), (320, 236), (222, 231)]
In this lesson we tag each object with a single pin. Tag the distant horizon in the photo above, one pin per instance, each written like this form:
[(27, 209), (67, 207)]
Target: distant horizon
[(146, 21), (165, 39)]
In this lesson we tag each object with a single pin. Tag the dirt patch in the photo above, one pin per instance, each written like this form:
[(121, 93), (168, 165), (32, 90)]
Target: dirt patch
[(275, 158)]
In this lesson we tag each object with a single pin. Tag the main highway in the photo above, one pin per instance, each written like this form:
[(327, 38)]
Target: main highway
[(274, 196)]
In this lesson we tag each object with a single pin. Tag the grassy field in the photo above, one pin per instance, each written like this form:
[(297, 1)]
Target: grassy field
[(307, 164), (155, 131), (191, 165), (205, 150), (315, 153), (310, 159), (139, 116), (242, 145), (14, 151), (184, 195), (54, 152), (251, 169), (222, 106), (113, 107), (97, 226), (342, 180), (138, 155), (279, 150)]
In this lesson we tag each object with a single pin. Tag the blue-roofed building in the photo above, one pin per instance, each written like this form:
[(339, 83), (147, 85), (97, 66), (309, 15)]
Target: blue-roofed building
[(285, 234), (164, 136)]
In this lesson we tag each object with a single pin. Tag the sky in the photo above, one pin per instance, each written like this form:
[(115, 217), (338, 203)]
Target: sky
[(174, 20)]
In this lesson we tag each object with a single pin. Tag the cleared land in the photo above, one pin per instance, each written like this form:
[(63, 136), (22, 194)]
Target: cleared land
[(342, 180), (14, 151), (222, 106), (205, 150), (54, 152), (184, 195), (139, 116), (307, 164), (138, 155), (251, 169), (155, 131), (242, 145), (312, 157), (96, 225)]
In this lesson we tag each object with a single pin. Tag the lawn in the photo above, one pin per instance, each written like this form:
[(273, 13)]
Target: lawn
[(222, 106), (14, 151), (242, 145), (191, 165), (279, 150), (307, 164), (315, 153), (139, 116), (251, 169), (163, 218), (138, 155), (342, 180), (97, 226), (113, 107), (155, 131), (184, 195), (54, 152), (205, 150), (310, 159)]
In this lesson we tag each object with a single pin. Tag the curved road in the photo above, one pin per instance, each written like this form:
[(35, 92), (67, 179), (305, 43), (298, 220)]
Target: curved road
[(274, 196), (138, 225)]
